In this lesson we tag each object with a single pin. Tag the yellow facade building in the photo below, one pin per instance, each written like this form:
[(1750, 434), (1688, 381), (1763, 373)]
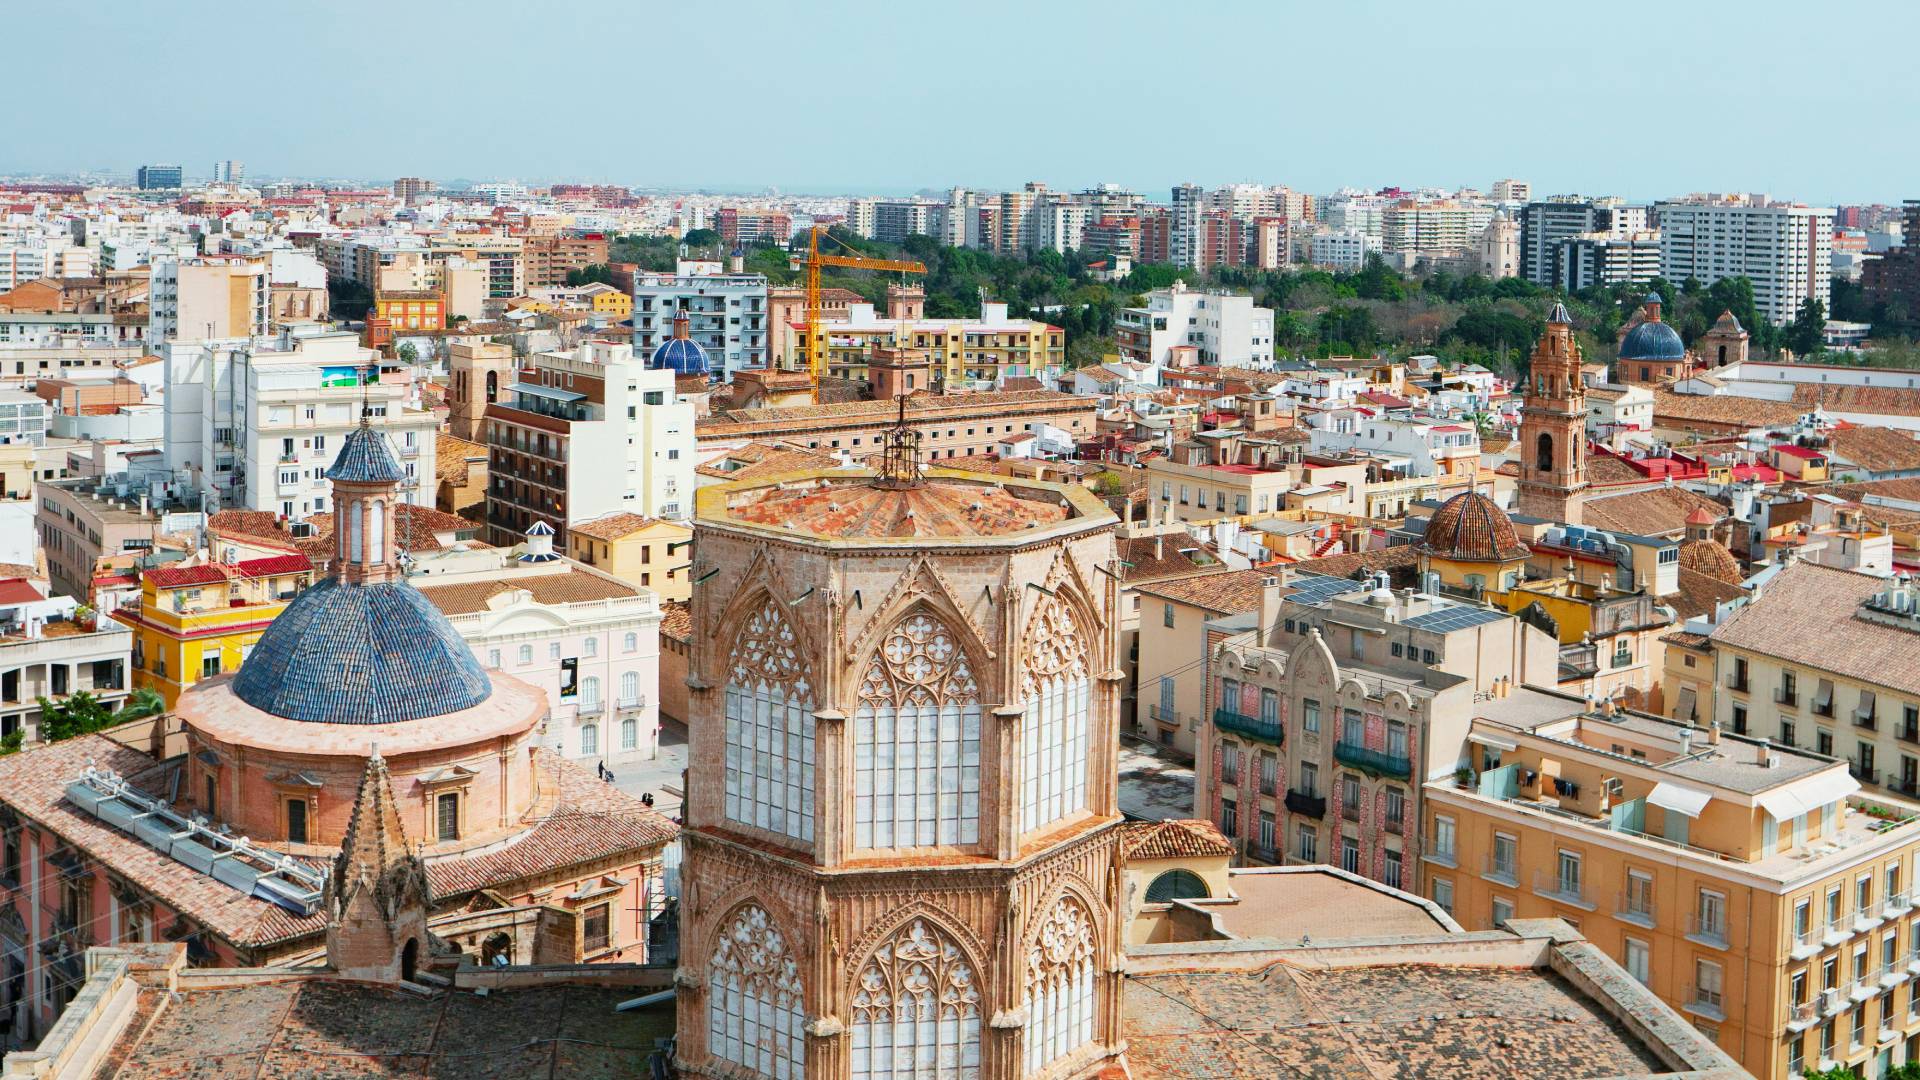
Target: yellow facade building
[(1754, 888), (652, 553), (195, 622)]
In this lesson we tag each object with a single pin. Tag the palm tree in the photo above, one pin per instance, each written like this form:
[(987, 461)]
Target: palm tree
[(139, 705)]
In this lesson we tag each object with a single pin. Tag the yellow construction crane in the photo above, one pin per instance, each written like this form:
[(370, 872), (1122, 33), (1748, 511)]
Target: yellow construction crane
[(816, 340)]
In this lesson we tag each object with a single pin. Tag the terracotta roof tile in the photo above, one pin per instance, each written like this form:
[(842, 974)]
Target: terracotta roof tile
[(612, 526), (1650, 511), (1876, 449), (1180, 839), (1228, 592), (573, 587), (676, 621), (1722, 409), (1806, 616)]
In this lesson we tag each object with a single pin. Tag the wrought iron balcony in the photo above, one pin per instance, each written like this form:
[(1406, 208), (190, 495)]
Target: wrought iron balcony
[(1251, 726), (1373, 762), (1307, 805)]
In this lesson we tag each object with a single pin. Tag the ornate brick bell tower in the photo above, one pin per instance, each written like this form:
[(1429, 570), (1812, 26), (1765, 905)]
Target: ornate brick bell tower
[(900, 827), (1553, 427)]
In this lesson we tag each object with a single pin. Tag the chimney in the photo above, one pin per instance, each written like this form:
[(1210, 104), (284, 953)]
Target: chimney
[(1713, 733), (1269, 606), (1686, 741), (1764, 756)]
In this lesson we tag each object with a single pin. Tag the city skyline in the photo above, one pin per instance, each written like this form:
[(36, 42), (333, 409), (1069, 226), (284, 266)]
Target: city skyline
[(1265, 107)]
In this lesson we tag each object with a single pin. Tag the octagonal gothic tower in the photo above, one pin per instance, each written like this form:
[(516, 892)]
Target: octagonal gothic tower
[(900, 816)]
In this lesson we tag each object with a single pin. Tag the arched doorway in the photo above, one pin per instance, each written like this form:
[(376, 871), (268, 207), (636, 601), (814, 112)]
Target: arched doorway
[(496, 950), (410, 960)]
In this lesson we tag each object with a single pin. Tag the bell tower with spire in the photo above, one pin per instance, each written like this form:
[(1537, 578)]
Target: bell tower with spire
[(1553, 426), (366, 494)]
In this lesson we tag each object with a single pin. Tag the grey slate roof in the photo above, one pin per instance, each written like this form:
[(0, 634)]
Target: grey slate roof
[(361, 654), (367, 457)]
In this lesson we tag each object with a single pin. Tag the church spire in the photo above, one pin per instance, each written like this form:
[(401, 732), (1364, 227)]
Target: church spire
[(366, 480), (378, 894)]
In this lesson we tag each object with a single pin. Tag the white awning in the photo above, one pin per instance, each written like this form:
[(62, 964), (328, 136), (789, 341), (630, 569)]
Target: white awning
[(1491, 742), (1680, 800), (1790, 801), (1865, 711)]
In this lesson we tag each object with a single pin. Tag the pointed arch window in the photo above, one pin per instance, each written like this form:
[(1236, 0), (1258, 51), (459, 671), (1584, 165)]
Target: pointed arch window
[(916, 740), (1054, 733), (1060, 984), (916, 1010), (755, 1004), (769, 740)]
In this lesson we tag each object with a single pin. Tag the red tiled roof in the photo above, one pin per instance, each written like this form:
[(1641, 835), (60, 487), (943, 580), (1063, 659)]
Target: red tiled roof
[(172, 577), (18, 591), (1179, 839), (1800, 452)]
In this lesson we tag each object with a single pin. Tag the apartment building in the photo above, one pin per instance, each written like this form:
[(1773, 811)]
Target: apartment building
[(1181, 327), (549, 259), (1342, 249), (583, 434), (208, 296), (726, 314), (979, 352), (1786, 250), (950, 425), (653, 553), (1230, 472), (1178, 622), (257, 421), (1545, 225), (1828, 660), (1417, 227), (1603, 259), (1409, 446), (739, 226), (1326, 712), (1750, 886), (50, 651), (193, 622), (504, 258)]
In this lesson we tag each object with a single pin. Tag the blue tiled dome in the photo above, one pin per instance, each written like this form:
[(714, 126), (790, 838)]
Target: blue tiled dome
[(366, 457), (361, 654), (1652, 341), (681, 355)]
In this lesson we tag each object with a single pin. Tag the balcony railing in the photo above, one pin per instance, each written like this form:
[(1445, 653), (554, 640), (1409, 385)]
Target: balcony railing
[(1908, 733), (1506, 872), (1397, 825), (1705, 1002), (1635, 908), (1869, 722), (1349, 811), (1863, 772), (1709, 932), (1307, 804), (1738, 682), (1432, 851), (1801, 1016), (592, 708), (1565, 890), (1165, 716), (1251, 726), (1787, 696), (1373, 762)]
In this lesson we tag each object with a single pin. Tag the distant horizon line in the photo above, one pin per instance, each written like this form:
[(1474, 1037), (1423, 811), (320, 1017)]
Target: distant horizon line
[(881, 191)]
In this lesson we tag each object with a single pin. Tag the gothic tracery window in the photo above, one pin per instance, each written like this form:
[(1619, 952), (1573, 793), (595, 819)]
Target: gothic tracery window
[(756, 1011), (916, 748), (916, 1010), (1060, 973), (769, 741), (1054, 732)]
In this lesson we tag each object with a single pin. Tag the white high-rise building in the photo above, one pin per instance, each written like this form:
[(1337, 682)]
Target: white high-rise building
[(562, 457), (726, 313), (1342, 249), (256, 421), (229, 172), (1188, 202), (1785, 249), (1182, 326)]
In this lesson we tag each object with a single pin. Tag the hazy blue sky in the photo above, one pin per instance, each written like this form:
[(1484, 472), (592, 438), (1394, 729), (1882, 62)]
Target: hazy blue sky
[(1810, 101)]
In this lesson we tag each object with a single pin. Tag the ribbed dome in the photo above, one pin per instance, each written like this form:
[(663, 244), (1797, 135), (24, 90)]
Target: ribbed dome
[(1472, 528), (682, 355), (346, 653), (1711, 557), (1652, 340)]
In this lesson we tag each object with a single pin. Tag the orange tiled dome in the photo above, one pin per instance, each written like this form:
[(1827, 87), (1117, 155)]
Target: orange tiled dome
[(1711, 557), (1472, 528)]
